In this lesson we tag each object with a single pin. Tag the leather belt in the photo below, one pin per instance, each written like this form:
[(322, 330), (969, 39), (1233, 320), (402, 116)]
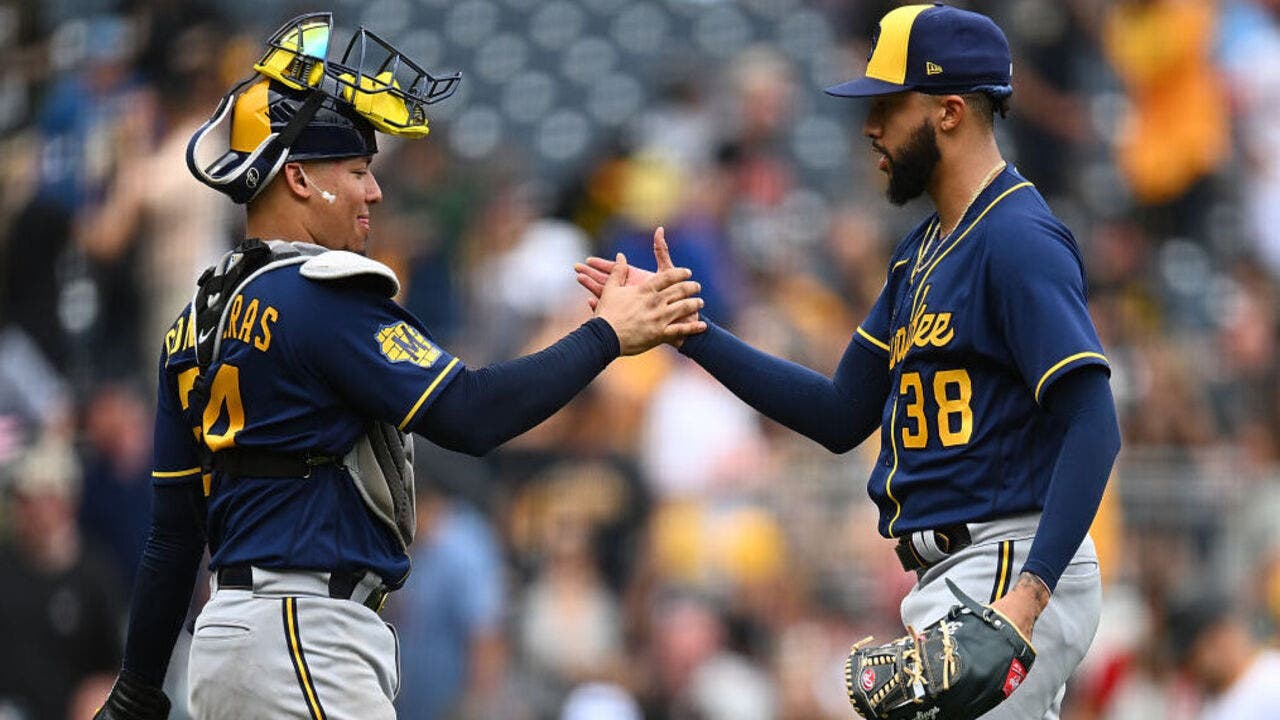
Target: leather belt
[(925, 548), (252, 462), (342, 586)]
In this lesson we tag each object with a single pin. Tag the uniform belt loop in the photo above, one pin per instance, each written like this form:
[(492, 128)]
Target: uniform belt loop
[(363, 587), (925, 548)]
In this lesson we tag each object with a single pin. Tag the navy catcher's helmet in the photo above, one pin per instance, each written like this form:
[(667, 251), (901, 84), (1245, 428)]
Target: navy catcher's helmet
[(300, 106)]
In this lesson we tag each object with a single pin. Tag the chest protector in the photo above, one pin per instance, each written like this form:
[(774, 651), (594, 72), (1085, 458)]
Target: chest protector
[(381, 461)]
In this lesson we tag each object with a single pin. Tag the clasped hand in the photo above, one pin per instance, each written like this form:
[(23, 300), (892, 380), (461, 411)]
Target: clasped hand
[(644, 308)]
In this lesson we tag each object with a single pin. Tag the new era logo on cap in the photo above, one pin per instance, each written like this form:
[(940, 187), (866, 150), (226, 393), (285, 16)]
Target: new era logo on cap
[(913, 45)]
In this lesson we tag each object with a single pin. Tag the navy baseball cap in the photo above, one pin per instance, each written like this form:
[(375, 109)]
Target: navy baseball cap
[(934, 49)]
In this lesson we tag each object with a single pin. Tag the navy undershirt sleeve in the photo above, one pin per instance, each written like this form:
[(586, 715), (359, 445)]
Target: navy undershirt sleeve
[(1082, 405), (166, 577), (481, 409), (837, 412)]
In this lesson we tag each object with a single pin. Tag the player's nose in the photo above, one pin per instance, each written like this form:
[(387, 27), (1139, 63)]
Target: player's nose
[(873, 125), (372, 191), (871, 128)]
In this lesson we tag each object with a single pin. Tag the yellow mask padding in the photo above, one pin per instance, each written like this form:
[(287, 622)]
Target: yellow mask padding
[(249, 122), (384, 105), (298, 70)]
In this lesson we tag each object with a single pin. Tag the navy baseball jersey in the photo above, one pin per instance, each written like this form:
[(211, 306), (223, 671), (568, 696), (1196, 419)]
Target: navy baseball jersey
[(305, 365), (975, 327)]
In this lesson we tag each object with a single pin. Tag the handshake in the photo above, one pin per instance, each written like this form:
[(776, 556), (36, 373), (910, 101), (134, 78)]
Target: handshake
[(644, 308)]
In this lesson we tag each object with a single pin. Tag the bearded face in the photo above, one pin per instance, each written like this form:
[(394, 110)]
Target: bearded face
[(911, 166)]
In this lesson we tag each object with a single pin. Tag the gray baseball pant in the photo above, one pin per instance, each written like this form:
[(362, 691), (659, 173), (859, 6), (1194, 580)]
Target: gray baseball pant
[(986, 570), (285, 649)]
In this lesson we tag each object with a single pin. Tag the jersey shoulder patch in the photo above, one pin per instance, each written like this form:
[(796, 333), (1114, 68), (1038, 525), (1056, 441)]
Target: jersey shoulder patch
[(402, 342), (343, 265)]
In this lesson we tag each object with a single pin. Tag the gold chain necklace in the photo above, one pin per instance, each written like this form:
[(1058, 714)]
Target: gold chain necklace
[(927, 250)]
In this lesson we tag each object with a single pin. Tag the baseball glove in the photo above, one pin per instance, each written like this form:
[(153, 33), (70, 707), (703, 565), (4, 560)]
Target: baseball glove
[(956, 669), (133, 698)]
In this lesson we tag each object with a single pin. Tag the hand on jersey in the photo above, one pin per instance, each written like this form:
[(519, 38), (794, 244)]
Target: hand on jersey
[(595, 273), (649, 309)]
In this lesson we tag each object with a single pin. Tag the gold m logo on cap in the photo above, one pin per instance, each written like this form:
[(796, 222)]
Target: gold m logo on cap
[(932, 68)]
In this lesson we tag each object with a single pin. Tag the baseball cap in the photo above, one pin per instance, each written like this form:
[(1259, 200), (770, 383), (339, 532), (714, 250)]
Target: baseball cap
[(935, 49)]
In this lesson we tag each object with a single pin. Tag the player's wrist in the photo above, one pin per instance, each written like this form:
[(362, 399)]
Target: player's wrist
[(1036, 585), (1024, 603), (607, 335), (1033, 589)]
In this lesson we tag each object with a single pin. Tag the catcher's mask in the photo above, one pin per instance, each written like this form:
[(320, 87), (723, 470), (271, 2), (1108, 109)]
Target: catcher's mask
[(298, 105)]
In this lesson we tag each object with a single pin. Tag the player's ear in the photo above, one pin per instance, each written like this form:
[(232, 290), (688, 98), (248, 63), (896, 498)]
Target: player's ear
[(294, 179), (951, 110)]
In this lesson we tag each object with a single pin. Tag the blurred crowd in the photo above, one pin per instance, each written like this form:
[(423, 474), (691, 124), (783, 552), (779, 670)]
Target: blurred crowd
[(656, 549)]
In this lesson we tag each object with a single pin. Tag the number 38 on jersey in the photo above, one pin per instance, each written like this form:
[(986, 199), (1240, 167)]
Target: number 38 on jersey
[(951, 392)]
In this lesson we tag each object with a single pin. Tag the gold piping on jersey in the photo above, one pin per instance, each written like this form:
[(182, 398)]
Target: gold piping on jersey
[(405, 422), (899, 264), (174, 473), (882, 345), (1064, 362), (962, 236), (300, 669), (893, 427), (893, 443)]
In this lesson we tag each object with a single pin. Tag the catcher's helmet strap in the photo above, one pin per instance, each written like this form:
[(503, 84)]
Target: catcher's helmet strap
[(300, 119), (244, 179)]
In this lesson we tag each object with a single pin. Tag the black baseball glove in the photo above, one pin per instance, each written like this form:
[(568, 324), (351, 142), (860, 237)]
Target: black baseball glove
[(956, 669), (133, 698)]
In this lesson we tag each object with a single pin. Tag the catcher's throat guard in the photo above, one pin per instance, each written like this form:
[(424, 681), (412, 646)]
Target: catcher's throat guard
[(300, 105), (958, 668)]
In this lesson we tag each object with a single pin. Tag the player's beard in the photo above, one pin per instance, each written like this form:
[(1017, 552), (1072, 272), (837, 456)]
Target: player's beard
[(910, 171)]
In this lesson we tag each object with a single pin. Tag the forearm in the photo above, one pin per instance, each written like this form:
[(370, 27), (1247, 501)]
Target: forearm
[(1082, 402), (481, 409), (166, 577), (838, 413)]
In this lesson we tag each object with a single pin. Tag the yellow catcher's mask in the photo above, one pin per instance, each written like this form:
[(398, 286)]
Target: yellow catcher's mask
[(381, 83), (300, 105)]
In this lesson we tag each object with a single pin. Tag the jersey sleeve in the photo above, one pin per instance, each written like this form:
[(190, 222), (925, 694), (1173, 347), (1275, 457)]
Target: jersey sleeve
[(873, 333), (1037, 283), (377, 356), (175, 455)]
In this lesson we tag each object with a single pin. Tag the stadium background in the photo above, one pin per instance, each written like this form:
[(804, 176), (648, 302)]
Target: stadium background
[(656, 544)]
